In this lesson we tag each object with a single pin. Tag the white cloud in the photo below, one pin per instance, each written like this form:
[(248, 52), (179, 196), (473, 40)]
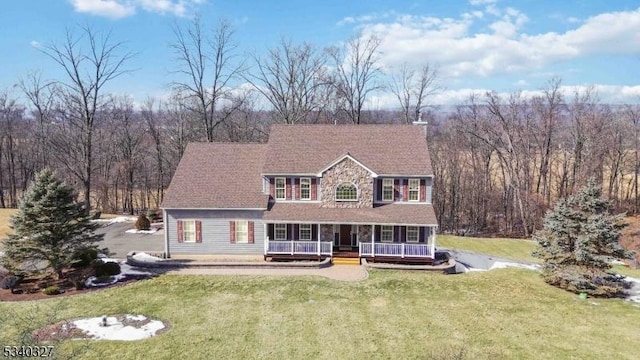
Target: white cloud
[(35, 44), (116, 9), (504, 47)]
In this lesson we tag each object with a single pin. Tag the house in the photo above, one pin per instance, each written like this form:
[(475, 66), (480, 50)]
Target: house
[(312, 191)]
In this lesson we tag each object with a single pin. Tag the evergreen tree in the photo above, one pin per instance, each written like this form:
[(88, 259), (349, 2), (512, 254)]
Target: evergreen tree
[(579, 238), (50, 226)]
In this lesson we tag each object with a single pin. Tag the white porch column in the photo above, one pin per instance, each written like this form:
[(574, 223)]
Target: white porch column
[(165, 224), (319, 243), (373, 240), (433, 242), (266, 239)]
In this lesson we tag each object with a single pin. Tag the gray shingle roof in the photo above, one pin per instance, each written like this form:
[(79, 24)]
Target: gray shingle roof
[(396, 213), (385, 149), (218, 175)]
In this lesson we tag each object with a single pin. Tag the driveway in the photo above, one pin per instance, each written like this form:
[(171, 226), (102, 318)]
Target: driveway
[(120, 243)]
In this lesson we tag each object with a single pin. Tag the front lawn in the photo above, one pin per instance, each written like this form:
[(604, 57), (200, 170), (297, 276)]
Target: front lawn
[(509, 313), (516, 249)]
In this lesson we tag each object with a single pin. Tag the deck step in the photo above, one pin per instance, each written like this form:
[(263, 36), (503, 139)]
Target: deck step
[(345, 261)]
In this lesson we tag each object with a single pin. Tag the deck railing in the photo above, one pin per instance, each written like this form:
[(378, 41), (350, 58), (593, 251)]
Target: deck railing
[(401, 250), (298, 248)]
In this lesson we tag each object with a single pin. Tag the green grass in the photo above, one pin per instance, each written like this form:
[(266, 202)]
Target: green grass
[(502, 314), (516, 249)]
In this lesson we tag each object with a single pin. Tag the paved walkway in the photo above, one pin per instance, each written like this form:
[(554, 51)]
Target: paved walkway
[(334, 272)]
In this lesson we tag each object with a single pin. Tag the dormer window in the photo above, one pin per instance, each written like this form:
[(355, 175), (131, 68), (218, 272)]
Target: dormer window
[(346, 192), (280, 188)]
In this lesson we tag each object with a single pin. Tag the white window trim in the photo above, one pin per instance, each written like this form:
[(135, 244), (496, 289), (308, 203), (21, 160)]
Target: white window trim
[(309, 180), (392, 189), (335, 192), (382, 231), (284, 188), (239, 239), (300, 232), (275, 232), (417, 232), (409, 189), (184, 231)]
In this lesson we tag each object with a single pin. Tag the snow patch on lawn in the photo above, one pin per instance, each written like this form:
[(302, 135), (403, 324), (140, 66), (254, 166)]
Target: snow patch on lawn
[(144, 257), (136, 231), (126, 272), (115, 220), (634, 292), (504, 265), (116, 330)]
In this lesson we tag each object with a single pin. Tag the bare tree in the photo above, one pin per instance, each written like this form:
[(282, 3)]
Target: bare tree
[(412, 90), (87, 71), (41, 95), (356, 66), (11, 124), (208, 66), (291, 78)]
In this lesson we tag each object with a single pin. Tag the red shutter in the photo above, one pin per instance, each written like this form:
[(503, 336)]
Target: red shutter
[(396, 190), (297, 191), (405, 190), (250, 233), (272, 187), (198, 231), (232, 232), (314, 189), (423, 191), (180, 232), (288, 187)]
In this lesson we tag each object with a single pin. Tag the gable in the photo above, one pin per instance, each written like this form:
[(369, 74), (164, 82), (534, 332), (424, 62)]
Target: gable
[(345, 158)]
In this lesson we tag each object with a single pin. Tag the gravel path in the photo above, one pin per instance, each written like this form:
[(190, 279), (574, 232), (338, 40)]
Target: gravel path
[(335, 272)]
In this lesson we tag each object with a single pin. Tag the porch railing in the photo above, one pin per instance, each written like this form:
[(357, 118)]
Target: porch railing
[(298, 248), (401, 250)]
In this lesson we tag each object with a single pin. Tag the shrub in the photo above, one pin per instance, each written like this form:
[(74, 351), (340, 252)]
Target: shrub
[(10, 282), (153, 215), (51, 290), (102, 268), (83, 257), (143, 223)]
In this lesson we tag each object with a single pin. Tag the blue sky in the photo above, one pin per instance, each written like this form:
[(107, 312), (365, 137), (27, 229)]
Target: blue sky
[(477, 45)]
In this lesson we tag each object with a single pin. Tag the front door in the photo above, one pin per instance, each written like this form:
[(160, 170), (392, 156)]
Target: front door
[(345, 236)]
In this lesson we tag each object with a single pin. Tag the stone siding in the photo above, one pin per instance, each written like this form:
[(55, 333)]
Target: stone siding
[(326, 232), (350, 172), (364, 233)]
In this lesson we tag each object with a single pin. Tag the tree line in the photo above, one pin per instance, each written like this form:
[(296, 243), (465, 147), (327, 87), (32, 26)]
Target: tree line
[(500, 160)]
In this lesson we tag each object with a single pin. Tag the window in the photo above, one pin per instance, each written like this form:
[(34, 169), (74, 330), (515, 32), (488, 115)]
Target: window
[(387, 190), (189, 230), (280, 231), (386, 233), (305, 231), (412, 234), (346, 192), (414, 189), (305, 189), (242, 232), (280, 188)]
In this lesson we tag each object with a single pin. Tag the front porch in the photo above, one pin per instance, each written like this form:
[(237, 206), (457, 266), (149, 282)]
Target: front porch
[(384, 243)]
